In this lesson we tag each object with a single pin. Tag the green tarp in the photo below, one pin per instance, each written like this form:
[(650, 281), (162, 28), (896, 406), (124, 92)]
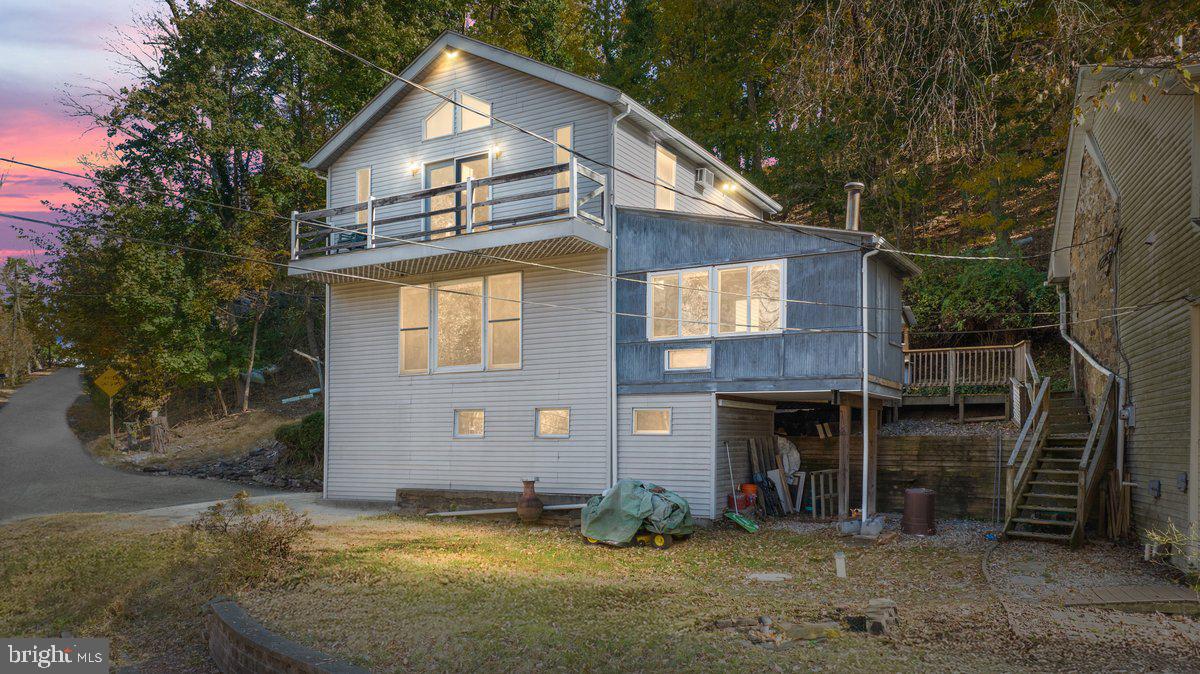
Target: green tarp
[(629, 505)]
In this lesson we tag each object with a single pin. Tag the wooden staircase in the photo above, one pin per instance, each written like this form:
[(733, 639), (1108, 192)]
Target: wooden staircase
[(1056, 466)]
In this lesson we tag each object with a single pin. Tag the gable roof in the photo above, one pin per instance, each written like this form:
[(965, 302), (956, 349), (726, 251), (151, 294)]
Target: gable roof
[(1089, 82), (391, 94)]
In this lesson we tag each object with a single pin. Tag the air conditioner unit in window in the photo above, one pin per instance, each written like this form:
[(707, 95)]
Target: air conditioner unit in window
[(704, 179)]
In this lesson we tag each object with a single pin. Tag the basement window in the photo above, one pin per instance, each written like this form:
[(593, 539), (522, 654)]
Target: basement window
[(652, 421), (468, 423), (553, 422), (689, 359)]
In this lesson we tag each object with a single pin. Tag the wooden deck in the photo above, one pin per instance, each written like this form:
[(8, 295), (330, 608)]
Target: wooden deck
[(1146, 597)]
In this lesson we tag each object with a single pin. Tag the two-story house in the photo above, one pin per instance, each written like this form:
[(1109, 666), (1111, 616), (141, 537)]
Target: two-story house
[(610, 304)]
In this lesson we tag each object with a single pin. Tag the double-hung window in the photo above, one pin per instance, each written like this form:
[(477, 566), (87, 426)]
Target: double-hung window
[(716, 301), (465, 324)]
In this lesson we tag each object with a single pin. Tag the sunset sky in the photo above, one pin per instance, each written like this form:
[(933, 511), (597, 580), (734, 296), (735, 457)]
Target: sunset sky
[(46, 48)]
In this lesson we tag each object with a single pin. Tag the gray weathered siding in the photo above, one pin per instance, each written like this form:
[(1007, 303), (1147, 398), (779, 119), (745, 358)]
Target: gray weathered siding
[(388, 430), (635, 153), (818, 270), (681, 461), (395, 141), (1147, 148), (735, 426)]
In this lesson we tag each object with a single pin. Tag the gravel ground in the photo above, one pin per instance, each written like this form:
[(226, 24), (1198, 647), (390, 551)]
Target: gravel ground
[(947, 428), (1021, 589)]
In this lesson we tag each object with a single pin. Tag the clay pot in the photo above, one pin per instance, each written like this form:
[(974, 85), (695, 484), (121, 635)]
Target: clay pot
[(529, 506)]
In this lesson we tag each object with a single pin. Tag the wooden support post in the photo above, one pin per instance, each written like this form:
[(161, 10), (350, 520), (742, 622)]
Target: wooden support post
[(843, 461), (112, 431), (873, 451)]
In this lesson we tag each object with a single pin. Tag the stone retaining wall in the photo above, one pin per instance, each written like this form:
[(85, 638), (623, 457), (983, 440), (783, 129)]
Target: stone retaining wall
[(239, 644)]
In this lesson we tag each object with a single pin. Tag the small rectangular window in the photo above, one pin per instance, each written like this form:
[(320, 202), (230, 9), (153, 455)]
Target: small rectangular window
[(553, 422), (440, 122), (562, 180), (689, 359), (664, 177), (414, 329), (362, 192), (468, 423), (653, 421), (476, 112)]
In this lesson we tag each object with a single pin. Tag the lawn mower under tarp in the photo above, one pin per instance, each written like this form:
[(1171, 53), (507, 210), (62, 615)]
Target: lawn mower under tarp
[(632, 511)]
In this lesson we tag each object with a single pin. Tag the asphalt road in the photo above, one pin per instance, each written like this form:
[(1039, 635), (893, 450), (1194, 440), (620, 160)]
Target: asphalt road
[(44, 468)]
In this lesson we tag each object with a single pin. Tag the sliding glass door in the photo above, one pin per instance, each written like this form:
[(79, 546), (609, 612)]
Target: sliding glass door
[(449, 172)]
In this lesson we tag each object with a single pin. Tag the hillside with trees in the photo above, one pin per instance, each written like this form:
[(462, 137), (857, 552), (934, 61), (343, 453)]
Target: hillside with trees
[(953, 112)]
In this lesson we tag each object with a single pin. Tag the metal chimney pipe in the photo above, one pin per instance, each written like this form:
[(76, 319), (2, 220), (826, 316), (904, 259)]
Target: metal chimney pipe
[(853, 198)]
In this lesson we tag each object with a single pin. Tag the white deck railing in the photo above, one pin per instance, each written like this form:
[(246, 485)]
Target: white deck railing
[(966, 366), (310, 236)]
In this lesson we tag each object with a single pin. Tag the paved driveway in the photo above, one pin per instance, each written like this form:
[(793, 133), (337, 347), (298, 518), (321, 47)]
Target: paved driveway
[(44, 469)]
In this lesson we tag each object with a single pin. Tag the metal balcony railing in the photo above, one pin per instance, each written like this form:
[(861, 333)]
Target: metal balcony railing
[(310, 236)]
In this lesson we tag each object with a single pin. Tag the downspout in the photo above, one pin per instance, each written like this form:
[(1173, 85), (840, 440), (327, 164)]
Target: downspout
[(325, 364), (853, 202), (866, 391), (610, 193)]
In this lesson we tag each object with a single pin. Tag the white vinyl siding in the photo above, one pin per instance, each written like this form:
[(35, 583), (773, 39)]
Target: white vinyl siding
[(390, 431), (396, 143), (681, 461), (635, 152)]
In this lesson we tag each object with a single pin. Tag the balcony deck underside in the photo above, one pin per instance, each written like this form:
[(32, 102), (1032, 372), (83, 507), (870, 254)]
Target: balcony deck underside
[(558, 238)]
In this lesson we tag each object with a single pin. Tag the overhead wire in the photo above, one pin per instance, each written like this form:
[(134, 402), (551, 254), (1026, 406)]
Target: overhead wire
[(538, 303)]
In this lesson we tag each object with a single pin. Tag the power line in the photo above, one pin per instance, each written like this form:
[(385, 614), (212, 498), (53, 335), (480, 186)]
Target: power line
[(492, 256), (523, 301), (574, 152)]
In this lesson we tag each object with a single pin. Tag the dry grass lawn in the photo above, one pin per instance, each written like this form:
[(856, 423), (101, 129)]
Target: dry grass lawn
[(404, 593)]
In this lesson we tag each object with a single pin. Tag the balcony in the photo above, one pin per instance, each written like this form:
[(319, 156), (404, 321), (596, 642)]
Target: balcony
[(524, 215)]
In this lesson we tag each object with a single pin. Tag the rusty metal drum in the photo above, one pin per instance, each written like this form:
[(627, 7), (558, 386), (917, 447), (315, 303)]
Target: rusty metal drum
[(918, 512)]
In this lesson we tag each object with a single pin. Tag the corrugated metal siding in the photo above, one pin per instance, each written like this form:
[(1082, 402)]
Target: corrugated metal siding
[(395, 141), (388, 430), (1147, 148), (635, 153), (681, 461), (734, 426)]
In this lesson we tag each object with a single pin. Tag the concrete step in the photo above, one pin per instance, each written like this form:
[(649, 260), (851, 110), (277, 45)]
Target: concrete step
[(1044, 523), (1039, 536)]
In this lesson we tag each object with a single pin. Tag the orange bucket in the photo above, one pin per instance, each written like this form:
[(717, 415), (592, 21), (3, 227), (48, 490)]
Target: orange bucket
[(749, 488)]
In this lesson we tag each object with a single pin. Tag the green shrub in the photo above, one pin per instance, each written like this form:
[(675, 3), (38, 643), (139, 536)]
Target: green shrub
[(250, 542), (303, 441)]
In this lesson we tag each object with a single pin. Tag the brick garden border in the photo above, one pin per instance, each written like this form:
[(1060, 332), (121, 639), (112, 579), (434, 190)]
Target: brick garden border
[(239, 644)]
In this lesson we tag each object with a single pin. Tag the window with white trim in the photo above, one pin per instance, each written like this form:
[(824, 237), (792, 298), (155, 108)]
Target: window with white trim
[(721, 301), (468, 114), (552, 422), (664, 178), (652, 421), (414, 329), (468, 423), (460, 321), (689, 359)]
